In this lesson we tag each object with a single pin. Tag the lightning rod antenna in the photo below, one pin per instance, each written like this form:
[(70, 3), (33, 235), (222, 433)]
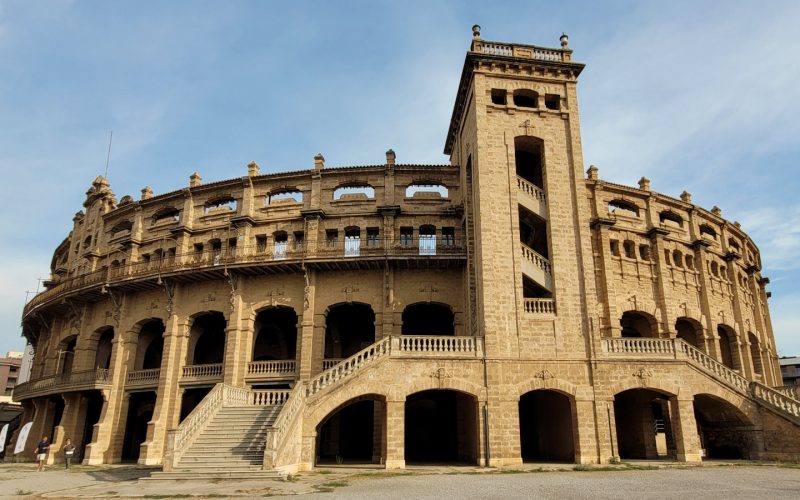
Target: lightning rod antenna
[(108, 157)]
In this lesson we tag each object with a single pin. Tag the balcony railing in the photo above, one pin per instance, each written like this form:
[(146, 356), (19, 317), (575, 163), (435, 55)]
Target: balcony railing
[(260, 254), (438, 346), (540, 306), (143, 378), (278, 369), (202, 373), (66, 382), (330, 363)]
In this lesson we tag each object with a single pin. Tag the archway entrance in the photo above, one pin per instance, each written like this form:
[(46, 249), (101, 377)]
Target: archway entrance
[(546, 427), (441, 426), (191, 398), (207, 339), (150, 346), (140, 412), (725, 432), (644, 428), (102, 359), (638, 324), (428, 319), (348, 329), (94, 406), (726, 346), (353, 433), (276, 334), (689, 331)]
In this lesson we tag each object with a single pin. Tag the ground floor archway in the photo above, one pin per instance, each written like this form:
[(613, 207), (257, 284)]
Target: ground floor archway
[(441, 426), (191, 398), (643, 424), (94, 407), (140, 412), (725, 432), (354, 433), (546, 427)]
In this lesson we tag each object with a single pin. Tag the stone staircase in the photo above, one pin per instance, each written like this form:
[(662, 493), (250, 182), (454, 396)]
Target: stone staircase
[(225, 436)]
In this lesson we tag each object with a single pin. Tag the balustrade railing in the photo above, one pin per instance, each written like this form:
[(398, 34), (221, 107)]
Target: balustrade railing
[(531, 189), (349, 366), (536, 258), (209, 371), (73, 381), (250, 254), (330, 362), (647, 347), (267, 369), (439, 345), (289, 418), (540, 306), (269, 397), (197, 420), (138, 377), (793, 391)]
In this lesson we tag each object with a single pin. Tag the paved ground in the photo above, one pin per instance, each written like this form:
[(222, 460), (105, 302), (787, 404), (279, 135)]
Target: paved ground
[(723, 481)]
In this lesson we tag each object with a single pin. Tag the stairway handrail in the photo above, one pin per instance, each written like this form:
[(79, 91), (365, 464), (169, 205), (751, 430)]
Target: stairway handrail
[(288, 419), (775, 398), (348, 366), (179, 439)]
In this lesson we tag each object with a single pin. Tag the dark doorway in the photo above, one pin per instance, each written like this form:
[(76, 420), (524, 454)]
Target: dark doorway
[(441, 427), (637, 324), (644, 428), (725, 433), (276, 334), (140, 412), (102, 360), (207, 339), (348, 329), (150, 347), (689, 331), (191, 398), (726, 338), (350, 434), (428, 319), (546, 427), (94, 407)]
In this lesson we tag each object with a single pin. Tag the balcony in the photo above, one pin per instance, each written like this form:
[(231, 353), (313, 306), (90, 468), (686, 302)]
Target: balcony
[(143, 379), (260, 371), (532, 197), (67, 382), (335, 254), (201, 374)]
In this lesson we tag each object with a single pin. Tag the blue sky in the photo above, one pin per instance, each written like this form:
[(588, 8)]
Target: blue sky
[(693, 95)]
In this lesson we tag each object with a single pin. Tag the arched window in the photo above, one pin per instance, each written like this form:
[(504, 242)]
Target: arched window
[(354, 192), (638, 324), (428, 319), (284, 198), (352, 241), (644, 252), (275, 334), (121, 228), (734, 245), (526, 98), (620, 207), (226, 204), (281, 239), (708, 232), (529, 159), (432, 190), (348, 329), (167, 214), (207, 339), (669, 218)]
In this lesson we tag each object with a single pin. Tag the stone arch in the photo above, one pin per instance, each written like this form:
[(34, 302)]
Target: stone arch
[(548, 426), (690, 331), (644, 425), (529, 159), (275, 331), (728, 340), (353, 431), (207, 338), (725, 430), (547, 381), (360, 320), (441, 426), (637, 323), (439, 317), (444, 382), (642, 378), (149, 343), (65, 352)]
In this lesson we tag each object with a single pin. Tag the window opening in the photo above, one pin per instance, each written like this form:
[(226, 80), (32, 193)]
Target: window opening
[(299, 240), (426, 191), (644, 252), (223, 205), (373, 237), (552, 101), (331, 238), (285, 197), (499, 97), (525, 98), (354, 193), (619, 207), (406, 236), (448, 236), (628, 247), (352, 242), (427, 240)]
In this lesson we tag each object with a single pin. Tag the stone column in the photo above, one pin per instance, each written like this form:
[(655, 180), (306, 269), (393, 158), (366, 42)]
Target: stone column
[(68, 427), (168, 396), (607, 444), (684, 428), (110, 429), (584, 431), (378, 431), (305, 353), (395, 434), (236, 358)]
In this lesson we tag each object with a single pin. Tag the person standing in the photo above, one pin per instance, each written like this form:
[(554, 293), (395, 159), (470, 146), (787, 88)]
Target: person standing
[(69, 451), (41, 453)]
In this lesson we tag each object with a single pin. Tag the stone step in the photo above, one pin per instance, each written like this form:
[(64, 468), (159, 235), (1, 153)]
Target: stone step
[(195, 475)]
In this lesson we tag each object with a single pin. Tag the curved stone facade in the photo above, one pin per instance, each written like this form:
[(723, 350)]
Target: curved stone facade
[(501, 308)]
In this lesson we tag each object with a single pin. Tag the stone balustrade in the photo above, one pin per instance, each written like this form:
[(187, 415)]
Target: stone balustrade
[(531, 189), (143, 378), (540, 306), (208, 372), (65, 382), (272, 369), (437, 346)]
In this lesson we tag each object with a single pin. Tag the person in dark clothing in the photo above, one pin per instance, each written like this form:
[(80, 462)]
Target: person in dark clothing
[(69, 451), (41, 453)]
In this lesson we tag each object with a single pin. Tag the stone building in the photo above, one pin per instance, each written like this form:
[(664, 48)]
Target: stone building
[(505, 307)]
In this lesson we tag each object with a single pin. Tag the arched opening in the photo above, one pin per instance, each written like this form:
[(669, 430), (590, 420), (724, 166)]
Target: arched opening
[(546, 427), (353, 433), (281, 239), (66, 355), (533, 231), (529, 159), (150, 346), (669, 218), (526, 98), (94, 406), (275, 334), (428, 319), (725, 432), (726, 346), (352, 241), (140, 412), (191, 398), (755, 353), (689, 331), (441, 427), (638, 324), (57, 404), (427, 239), (348, 329), (207, 339), (621, 207), (644, 428), (102, 358)]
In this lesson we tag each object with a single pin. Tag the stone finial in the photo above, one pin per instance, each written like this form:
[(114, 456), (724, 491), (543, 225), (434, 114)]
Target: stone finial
[(253, 169), (716, 211), (79, 215), (147, 193), (476, 31), (686, 196), (319, 162), (390, 157), (593, 173), (737, 224), (644, 184), (195, 180), (564, 39)]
